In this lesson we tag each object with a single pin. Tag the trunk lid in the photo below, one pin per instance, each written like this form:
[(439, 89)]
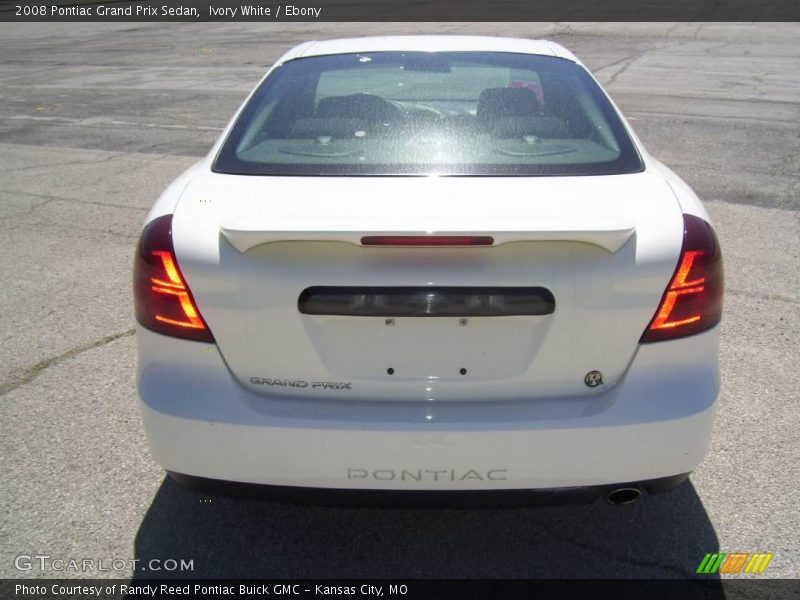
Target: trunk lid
[(603, 246)]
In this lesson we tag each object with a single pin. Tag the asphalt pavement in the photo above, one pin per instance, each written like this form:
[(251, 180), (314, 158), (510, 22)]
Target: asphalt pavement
[(96, 119)]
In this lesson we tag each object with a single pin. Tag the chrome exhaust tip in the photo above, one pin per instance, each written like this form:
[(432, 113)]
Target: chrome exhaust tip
[(626, 495)]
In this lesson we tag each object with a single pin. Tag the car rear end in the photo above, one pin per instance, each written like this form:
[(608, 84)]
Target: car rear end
[(538, 328)]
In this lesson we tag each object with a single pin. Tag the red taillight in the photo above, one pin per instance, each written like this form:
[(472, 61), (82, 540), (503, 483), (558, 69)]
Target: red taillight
[(427, 240), (162, 298), (693, 300)]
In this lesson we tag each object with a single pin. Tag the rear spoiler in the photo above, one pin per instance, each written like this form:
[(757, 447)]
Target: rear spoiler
[(610, 234)]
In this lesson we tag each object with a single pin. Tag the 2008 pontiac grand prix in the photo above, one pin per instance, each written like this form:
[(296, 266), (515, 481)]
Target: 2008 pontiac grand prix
[(429, 265)]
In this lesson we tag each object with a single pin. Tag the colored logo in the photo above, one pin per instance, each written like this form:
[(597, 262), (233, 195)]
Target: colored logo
[(734, 562)]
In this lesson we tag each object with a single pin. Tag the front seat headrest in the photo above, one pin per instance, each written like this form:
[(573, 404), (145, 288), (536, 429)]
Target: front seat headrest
[(499, 103)]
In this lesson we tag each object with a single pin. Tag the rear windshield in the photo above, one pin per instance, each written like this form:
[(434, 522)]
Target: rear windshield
[(420, 113)]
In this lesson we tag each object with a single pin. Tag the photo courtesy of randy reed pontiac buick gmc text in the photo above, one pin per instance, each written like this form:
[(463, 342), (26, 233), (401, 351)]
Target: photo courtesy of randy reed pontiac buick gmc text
[(197, 589)]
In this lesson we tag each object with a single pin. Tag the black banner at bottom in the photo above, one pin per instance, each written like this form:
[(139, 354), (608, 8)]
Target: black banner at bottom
[(682, 589)]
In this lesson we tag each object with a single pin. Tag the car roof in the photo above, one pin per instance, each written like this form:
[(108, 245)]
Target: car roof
[(428, 43)]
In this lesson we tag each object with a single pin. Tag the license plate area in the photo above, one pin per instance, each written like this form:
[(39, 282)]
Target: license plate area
[(411, 348)]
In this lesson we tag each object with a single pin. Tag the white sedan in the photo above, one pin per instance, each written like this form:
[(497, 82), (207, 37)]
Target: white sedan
[(433, 267)]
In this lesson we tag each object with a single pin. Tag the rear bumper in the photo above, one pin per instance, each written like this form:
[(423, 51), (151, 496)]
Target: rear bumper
[(420, 498), (653, 424)]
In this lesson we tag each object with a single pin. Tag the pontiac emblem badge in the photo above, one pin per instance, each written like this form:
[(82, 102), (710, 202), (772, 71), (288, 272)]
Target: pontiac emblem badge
[(593, 378)]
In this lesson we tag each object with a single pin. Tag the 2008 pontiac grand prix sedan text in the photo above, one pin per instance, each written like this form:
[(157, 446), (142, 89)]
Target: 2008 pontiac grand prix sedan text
[(429, 264)]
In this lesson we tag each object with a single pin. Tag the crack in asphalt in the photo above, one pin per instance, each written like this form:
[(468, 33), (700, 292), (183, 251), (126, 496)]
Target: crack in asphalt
[(669, 31), (53, 198), (630, 59), (104, 123), (777, 123), (21, 378), (610, 553), (59, 227), (625, 64), (619, 61), (28, 211), (92, 161), (763, 296)]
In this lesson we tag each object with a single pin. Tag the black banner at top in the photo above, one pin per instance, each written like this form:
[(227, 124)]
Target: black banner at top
[(397, 10)]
